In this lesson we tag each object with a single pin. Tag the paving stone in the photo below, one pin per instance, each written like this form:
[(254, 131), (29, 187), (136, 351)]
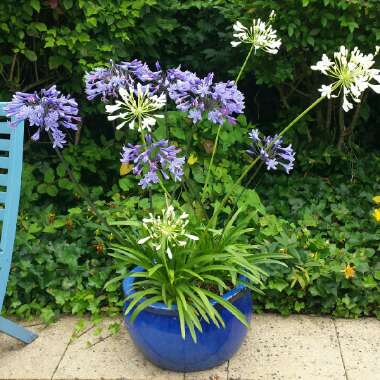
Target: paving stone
[(39, 359), (218, 373), (360, 345), (291, 348), (108, 357), (297, 347)]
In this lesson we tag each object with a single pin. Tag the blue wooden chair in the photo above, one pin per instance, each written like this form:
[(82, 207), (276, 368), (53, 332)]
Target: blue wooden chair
[(11, 147)]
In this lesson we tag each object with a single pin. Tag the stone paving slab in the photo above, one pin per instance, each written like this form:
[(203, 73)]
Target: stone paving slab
[(289, 348), (39, 359), (297, 347), (108, 357), (360, 345)]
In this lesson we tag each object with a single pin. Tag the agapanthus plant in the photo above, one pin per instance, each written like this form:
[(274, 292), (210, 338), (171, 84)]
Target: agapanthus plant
[(183, 262), (137, 108), (200, 98), (184, 254), (260, 35), (47, 110), (105, 82), (352, 72), (271, 151), (154, 159), (167, 231)]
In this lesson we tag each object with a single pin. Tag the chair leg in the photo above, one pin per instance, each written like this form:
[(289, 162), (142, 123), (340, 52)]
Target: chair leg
[(16, 331)]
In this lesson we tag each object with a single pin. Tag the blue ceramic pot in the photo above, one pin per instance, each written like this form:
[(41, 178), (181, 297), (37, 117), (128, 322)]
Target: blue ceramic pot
[(156, 333)]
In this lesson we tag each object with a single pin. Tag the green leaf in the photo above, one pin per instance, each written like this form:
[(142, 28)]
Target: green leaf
[(278, 284), (144, 305), (36, 5), (228, 305), (31, 55), (67, 4)]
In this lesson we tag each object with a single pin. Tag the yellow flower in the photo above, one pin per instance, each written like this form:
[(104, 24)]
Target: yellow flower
[(376, 199), (376, 214), (349, 271), (192, 159), (125, 169)]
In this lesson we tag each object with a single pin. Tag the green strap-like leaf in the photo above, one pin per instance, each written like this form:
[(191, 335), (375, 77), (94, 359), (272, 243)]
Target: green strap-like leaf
[(144, 305), (228, 305)]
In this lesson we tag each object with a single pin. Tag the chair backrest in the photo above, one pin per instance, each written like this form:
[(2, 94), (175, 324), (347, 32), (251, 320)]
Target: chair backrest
[(11, 149)]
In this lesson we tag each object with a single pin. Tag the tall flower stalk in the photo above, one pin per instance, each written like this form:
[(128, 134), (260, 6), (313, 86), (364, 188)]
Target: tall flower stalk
[(261, 36), (214, 218)]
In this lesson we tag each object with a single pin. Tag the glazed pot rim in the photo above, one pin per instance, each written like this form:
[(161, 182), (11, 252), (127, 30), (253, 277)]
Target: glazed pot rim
[(161, 308)]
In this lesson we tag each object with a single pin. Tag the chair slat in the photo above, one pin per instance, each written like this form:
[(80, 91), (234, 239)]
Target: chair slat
[(4, 145), (5, 127), (3, 197), (3, 179), (2, 213), (4, 162)]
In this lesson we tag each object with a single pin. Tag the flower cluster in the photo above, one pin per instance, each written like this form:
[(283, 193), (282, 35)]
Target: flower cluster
[(352, 72), (271, 151), (199, 97), (169, 230), (152, 159), (106, 82), (47, 110), (260, 34), (138, 106)]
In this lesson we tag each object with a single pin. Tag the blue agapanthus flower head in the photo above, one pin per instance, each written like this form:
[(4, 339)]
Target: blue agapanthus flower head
[(141, 71), (271, 151), (200, 98), (105, 82), (154, 159), (48, 110)]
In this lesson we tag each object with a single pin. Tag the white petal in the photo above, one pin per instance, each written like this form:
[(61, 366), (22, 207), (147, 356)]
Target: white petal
[(235, 43), (375, 87), (124, 93), (112, 108), (121, 125), (192, 237), (238, 26), (144, 240), (346, 104), (132, 124)]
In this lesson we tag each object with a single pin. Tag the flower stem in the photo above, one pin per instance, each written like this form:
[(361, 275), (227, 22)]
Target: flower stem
[(244, 64), (214, 217), (220, 127), (211, 163)]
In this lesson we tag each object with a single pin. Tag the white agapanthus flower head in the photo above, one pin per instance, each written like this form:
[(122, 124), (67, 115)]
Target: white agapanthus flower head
[(260, 34), (137, 108), (352, 72), (169, 228)]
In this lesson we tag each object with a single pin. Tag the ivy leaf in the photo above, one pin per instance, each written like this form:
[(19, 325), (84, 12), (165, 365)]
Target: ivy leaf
[(31, 55), (36, 5)]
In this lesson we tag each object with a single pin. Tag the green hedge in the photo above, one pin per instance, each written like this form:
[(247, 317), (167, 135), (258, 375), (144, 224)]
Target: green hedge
[(61, 263), (44, 42), (320, 216), (322, 221)]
